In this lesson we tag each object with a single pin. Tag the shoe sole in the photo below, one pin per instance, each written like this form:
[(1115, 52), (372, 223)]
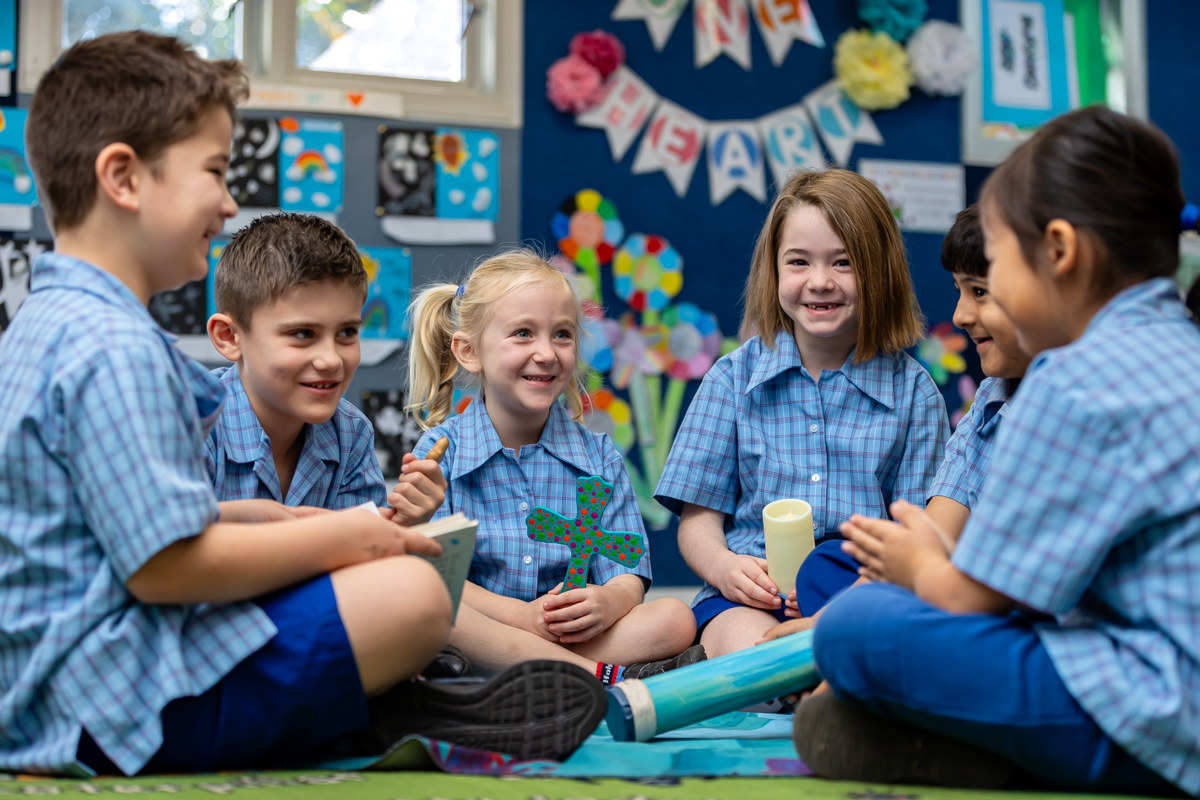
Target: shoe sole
[(839, 741), (533, 710)]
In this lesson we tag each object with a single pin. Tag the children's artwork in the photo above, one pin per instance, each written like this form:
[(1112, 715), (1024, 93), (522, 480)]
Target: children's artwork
[(790, 143), (407, 174), (924, 196), (588, 231), (647, 272), (8, 45), (253, 174), (840, 121), (781, 22), (1025, 72), (604, 412), (468, 174), (17, 191), (940, 352), (310, 161), (673, 143), (439, 187), (660, 16), (396, 432), (735, 161), (627, 104), (389, 275), (16, 261), (583, 533), (182, 311), (722, 26)]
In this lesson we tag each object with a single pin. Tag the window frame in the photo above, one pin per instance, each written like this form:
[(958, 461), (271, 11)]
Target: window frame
[(490, 93)]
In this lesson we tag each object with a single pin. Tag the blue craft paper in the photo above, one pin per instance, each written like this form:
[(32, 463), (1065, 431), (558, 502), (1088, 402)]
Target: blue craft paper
[(385, 314), (470, 190), (16, 179), (311, 167), (1057, 64), (8, 32)]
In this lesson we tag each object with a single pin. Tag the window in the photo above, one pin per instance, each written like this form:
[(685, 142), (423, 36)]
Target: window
[(452, 61)]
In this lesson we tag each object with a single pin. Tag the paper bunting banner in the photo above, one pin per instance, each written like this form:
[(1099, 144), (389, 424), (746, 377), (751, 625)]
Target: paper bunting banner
[(673, 143), (722, 26), (781, 22), (735, 161), (660, 16), (790, 142), (627, 104), (840, 121)]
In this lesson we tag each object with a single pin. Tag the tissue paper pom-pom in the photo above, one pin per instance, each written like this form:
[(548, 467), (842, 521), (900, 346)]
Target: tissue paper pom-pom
[(600, 49), (872, 69), (573, 85), (941, 56), (896, 18)]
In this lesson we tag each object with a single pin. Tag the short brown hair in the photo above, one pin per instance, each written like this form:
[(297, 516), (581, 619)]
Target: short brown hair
[(1105, 173), (279, 252), (139, 88), (962, 249), (889, 319)]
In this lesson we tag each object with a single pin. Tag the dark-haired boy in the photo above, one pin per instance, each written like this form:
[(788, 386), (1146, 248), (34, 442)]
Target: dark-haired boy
[(290, 289), (143, 626)]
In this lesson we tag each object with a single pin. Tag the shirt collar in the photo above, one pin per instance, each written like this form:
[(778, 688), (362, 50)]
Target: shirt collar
[(478, 441), (58, 271), (244, 439), (993, 394), (873, 378)]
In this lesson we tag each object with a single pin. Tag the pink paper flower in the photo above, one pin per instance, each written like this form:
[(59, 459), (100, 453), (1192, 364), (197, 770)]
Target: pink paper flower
[(573, 85), (600, 49)]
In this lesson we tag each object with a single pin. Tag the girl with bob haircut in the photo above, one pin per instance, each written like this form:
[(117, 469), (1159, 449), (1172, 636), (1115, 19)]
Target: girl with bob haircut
[(820, 403), (514, 326), (1063, 636)]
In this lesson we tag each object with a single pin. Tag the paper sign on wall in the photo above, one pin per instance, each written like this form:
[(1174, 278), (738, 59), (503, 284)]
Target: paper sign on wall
[(735, 161), (660, 16), (924, 196), (673, 142), (781, 22), (722, 26), (840, 121), (790, 143), (627, 104)]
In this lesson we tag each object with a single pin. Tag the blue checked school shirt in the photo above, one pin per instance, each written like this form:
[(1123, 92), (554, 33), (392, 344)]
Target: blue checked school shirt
[(760, 429), (969, 450), (1091, 512), (489, 483), (337, 467), (102, 428)]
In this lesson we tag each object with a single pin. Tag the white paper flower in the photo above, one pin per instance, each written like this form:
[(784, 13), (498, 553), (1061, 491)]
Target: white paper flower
[(941, 56)]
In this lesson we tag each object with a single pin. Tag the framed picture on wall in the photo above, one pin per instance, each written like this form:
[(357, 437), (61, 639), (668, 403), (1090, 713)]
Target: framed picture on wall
[(1041, 58)]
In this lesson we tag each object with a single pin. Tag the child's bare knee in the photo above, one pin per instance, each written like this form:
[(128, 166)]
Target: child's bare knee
[(421, 596)]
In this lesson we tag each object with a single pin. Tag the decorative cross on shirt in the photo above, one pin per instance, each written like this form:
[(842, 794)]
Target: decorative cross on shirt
[(584, 535)]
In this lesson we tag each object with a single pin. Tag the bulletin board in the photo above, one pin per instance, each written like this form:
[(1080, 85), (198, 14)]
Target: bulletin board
[(560, 158)]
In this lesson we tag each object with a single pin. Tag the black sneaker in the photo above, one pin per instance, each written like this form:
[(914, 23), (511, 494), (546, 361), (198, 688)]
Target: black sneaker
[(842, 742), (450, 663), (533, 710), (693, 655)]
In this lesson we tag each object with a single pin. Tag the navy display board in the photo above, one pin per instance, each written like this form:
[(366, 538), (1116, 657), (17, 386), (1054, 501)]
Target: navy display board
[(1174, 74), (559, 159)]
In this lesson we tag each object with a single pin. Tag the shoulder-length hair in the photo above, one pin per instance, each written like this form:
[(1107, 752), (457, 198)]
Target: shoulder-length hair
[(889, 318)]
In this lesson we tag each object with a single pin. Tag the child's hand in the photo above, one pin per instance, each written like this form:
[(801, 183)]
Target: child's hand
[(746, 582), (534, 618), (791, 606), (377, 537), (788, 628), (895, 551), (419, 492), (583, 614)]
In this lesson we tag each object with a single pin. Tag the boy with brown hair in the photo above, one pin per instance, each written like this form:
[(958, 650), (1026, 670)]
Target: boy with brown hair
[(142, 625), (290, 289)]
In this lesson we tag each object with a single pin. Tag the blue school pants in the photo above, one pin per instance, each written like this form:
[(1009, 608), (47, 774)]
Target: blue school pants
[(300, 690), (980, 678)]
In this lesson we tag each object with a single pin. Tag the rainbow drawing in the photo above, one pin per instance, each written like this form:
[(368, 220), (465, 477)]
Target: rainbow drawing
[(311, 163), (375, 315), (14, 170)]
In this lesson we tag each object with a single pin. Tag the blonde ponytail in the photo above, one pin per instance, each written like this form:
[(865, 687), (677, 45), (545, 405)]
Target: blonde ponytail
[(441, 310)]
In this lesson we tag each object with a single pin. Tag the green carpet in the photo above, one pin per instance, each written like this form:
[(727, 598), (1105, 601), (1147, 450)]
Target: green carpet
[(438, 786)]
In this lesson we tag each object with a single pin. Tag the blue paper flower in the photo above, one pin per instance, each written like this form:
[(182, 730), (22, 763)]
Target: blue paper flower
[(897, 18)]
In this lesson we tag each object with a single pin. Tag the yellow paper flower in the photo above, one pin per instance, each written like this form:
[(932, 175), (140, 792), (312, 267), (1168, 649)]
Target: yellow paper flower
[(872, 68)]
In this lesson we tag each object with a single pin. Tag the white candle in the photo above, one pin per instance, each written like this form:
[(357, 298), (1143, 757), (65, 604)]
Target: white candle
[(788, 530)]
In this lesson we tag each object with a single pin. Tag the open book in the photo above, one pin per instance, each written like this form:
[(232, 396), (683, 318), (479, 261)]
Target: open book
[(456, 535)]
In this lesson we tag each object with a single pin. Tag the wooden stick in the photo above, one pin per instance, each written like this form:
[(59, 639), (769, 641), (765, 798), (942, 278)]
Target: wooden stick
[(438, 450)]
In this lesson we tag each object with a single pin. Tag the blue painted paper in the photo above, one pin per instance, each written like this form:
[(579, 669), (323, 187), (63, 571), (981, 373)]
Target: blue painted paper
[(16, 178), (1056, 61), (468, 174), (389, 272), (311, 168)]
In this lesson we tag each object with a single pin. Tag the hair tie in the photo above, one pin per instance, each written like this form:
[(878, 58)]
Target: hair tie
[(460, 291)]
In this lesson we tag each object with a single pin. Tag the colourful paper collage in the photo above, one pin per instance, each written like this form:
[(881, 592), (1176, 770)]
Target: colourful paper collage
[(389, 272), (16, 178)]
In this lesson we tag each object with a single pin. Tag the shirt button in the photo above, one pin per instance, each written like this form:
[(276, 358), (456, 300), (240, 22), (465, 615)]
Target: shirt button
[(816, 477), (524, 506), (812, 428), (528, 559)]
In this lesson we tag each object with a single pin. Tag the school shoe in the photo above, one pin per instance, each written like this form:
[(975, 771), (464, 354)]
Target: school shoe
[(533, 710), (449, 663), (840, 741), (693, 655)]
